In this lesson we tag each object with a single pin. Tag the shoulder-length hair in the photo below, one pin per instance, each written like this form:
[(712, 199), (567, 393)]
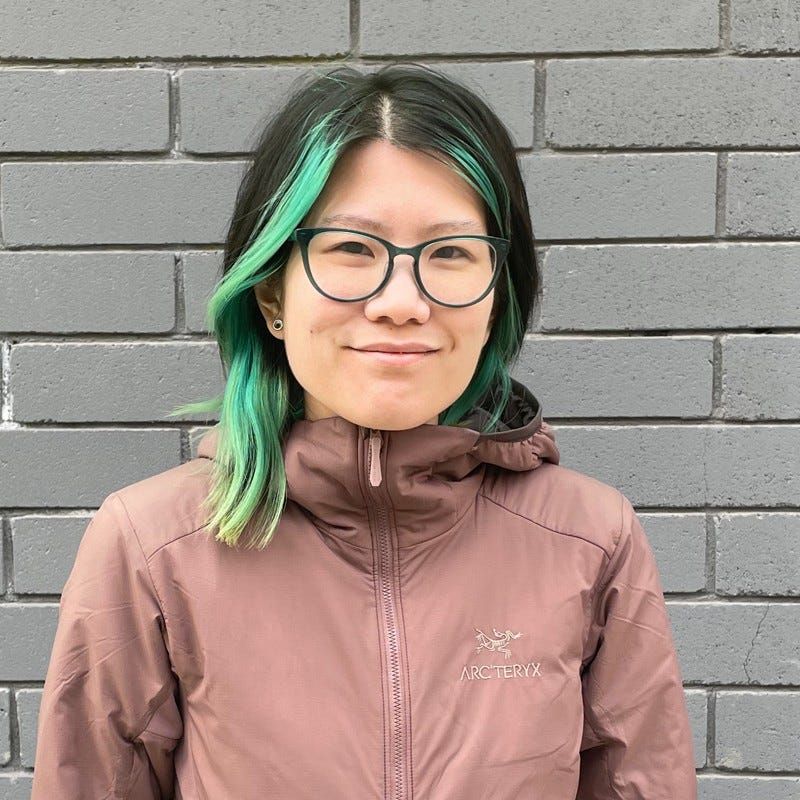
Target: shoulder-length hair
[(414, 107)]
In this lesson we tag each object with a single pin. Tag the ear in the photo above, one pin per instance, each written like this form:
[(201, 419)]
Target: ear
[(268, 297)]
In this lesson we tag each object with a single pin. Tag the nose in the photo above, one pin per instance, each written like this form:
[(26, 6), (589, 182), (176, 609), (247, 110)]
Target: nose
[(400, 298)]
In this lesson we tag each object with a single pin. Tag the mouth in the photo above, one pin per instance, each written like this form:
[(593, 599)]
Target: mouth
[(394, 358)]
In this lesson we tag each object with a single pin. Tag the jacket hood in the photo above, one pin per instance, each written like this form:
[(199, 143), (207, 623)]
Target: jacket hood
[(429, 476)]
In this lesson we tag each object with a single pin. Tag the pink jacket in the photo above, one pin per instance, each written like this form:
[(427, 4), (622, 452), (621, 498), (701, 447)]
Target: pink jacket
[(442, 615)]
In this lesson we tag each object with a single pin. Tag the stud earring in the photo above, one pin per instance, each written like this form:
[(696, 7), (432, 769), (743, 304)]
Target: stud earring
[(277, 324)]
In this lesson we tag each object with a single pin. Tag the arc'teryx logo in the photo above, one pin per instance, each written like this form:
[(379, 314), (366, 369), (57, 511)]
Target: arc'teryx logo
[(499, 643)]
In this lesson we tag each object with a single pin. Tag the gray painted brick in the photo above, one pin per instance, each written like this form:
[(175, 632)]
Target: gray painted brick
[(5, 726), (734, 787), (652, 465), (16, 785), (223, 110), (415, 26), (620, 196), (122, 382), (45, 546), (120, 203), (689, 465), (620, 376), (180, 29), (761, 376), (669, 286), (679, 543), (752, 464), (28, 701), (3, 556), (50, 292), (83, 109), (763, 195), (79, 468), (759, 26), (697, 706), (32, 628), (737, 642), (758, 554), (625, 102), (758, 730), (201, 271)]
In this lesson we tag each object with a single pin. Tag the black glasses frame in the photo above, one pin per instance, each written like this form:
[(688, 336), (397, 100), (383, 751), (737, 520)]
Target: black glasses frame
[(304, 235)]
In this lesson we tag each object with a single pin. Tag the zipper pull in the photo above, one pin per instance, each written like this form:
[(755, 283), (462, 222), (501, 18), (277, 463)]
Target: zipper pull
[(375, 440)]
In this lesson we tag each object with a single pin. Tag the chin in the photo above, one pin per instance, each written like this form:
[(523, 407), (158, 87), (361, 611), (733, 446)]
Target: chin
[(400, 423)]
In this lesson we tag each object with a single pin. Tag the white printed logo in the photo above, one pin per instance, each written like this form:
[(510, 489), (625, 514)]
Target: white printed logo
[(498, 643)]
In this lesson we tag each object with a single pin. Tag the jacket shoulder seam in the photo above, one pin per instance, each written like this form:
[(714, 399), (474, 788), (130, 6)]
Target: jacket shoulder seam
[(149, 717), (617, 538), (141, 549), (175, 539), (588, 606), (547, 527)]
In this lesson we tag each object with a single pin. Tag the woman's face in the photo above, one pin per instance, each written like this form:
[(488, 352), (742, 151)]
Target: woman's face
[(407, 192)]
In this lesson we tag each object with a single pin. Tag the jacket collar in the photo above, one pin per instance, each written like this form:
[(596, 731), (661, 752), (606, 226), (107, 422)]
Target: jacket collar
[(427, 476)]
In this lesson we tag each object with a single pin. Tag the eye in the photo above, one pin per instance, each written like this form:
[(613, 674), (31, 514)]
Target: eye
[(449, 247), (351, 244)]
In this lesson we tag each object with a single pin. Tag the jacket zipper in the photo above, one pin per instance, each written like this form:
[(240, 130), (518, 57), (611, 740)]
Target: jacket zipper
[(398, 771)]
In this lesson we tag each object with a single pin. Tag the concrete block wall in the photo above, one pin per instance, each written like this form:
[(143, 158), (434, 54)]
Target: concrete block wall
[(660, 143)]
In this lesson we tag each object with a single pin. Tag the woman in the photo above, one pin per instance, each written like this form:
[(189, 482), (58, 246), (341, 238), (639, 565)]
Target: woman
[(375, 580)]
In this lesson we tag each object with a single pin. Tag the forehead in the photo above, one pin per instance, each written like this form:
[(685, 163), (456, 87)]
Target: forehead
[(378, 187)]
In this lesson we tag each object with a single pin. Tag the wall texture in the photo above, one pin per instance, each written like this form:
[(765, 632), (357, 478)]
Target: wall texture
[(661, 148)]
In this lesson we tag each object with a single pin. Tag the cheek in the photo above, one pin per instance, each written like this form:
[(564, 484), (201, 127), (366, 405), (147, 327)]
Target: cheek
[(314, 330), (473, 329)]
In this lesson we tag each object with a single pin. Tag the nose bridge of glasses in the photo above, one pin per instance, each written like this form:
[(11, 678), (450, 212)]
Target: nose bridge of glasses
[(412, 251)]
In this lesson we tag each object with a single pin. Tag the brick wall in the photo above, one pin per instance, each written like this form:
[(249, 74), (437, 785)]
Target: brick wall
[(660, 143)]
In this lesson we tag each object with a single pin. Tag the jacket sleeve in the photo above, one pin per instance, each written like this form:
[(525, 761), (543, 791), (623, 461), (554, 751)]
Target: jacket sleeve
[(109, 718), (637, 741)]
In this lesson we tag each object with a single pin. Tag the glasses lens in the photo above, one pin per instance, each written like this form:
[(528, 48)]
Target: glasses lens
[(457, 270), (346, 265)]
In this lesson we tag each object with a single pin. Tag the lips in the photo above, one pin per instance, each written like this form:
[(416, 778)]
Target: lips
[(399, 347), (394, 358)]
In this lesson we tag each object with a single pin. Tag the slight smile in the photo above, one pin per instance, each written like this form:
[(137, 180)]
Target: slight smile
[(393, 359)]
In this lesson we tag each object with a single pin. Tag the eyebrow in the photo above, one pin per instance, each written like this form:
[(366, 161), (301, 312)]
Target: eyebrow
[(371, 224)]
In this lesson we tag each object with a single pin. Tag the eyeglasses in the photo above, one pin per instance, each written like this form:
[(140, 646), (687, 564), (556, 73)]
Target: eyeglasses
[(349, 265)]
